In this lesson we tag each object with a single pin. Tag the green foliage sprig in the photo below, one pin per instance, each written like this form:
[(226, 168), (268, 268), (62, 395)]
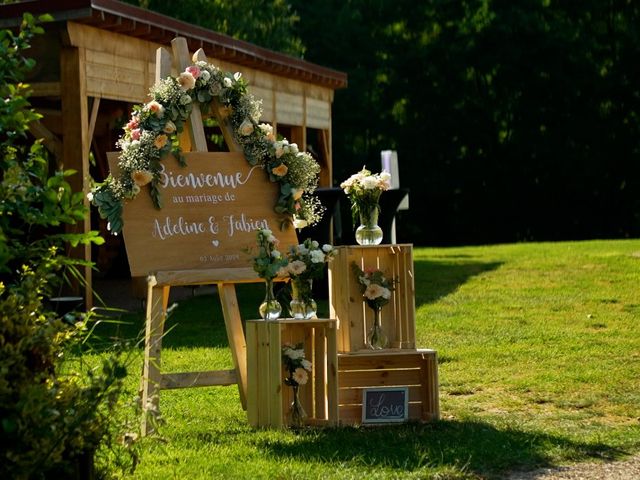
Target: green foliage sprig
[(269, 261)]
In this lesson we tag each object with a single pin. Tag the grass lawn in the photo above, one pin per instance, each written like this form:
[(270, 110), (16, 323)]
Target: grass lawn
[(539, 350)]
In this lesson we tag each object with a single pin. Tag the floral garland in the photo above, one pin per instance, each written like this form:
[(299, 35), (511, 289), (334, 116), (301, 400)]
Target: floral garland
[(152, 133)]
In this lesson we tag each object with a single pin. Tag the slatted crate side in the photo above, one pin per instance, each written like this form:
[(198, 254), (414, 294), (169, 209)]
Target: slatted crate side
[(353, 396), (319, 358), (404, 298), (398, 317), (262, 376), (341, 298), (415, 369)]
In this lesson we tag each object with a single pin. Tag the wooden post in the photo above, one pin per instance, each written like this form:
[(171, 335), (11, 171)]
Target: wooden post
[(76, 144), (151, 376)]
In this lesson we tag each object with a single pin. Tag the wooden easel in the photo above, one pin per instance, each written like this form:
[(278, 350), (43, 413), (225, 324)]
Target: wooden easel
[(159, 284)]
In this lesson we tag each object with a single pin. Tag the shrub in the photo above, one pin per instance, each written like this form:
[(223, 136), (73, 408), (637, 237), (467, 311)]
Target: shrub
[(49, 418)]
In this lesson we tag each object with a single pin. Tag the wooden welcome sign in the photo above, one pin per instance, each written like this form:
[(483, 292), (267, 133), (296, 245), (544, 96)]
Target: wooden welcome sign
[(211, 211)]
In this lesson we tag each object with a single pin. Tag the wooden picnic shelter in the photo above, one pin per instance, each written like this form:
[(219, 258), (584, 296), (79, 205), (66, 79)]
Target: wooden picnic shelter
[(97, 59)]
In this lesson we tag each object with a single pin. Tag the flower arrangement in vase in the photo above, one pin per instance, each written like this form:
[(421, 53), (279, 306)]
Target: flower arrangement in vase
[(364, 189), (298, 369), (306, 263), (376, 291), (267, 264)]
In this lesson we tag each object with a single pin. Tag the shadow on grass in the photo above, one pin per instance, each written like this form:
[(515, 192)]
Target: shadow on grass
[(469, 446), (435, 279), (195, 322)]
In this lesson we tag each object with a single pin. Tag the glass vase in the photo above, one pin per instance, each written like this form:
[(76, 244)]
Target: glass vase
[(376, 338), (369, 233), (302, 306), (270, 308), (297, 415)]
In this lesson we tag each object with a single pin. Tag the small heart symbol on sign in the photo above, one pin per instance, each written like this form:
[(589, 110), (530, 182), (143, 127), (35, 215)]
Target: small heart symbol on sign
[(215, 242)]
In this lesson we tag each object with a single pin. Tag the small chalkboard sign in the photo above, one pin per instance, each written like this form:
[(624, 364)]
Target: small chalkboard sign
[(385, 405)]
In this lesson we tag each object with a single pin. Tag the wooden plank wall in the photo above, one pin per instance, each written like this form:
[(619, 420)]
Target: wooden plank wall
[(121, 67)]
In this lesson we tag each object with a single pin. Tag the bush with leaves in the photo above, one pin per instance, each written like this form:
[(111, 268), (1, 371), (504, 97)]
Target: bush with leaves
[(50, 415)]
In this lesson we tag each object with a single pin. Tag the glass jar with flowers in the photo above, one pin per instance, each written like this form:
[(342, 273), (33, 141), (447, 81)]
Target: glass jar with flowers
[(306, 263), (364, 189), (376, 292), (267, 264), (298, 369)]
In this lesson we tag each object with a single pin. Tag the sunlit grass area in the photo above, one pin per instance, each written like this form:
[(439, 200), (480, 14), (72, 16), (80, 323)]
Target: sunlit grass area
[(539, 350)]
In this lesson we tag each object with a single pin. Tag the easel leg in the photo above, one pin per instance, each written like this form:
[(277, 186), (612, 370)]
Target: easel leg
[(151, 376), (237, 343)]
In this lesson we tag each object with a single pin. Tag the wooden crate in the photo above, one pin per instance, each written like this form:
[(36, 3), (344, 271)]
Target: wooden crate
[(346, 303), (268, 398), (415, 369)]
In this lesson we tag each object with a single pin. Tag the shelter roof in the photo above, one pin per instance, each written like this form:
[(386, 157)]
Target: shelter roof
[(137, 22)]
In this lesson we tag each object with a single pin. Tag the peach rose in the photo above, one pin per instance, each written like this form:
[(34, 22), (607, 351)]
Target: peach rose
[(160, 141), (156, 108), (186, 81), (141, 177), (281, 170), (246, 128)]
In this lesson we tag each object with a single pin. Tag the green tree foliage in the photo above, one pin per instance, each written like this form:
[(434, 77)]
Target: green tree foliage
[(513, 120), (268, 23), (49, 417)]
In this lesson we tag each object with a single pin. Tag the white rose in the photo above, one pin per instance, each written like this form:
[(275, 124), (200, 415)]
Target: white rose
[(314, 244), (299, 223), (276, 254), (326, 248), (227, 82), (90, 196), (317, 256), (266, 128), (205, 75), (295, 354), (294, 148), (369, 183)]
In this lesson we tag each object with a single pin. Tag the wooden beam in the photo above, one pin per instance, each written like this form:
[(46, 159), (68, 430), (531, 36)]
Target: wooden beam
[(196, 128), (220, 113), (237, 342), (49, 140), (75, 118), (95, 106), (45, 89), (198, 379)]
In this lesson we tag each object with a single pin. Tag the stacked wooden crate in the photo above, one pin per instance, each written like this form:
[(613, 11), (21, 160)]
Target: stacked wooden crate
[(268, 398), (400, 365)]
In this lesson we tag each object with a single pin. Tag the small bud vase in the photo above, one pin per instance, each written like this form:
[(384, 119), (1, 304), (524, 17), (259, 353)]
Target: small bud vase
[(376, 338), (297, 415), (369, 233), (302, 306), (270, 308)]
